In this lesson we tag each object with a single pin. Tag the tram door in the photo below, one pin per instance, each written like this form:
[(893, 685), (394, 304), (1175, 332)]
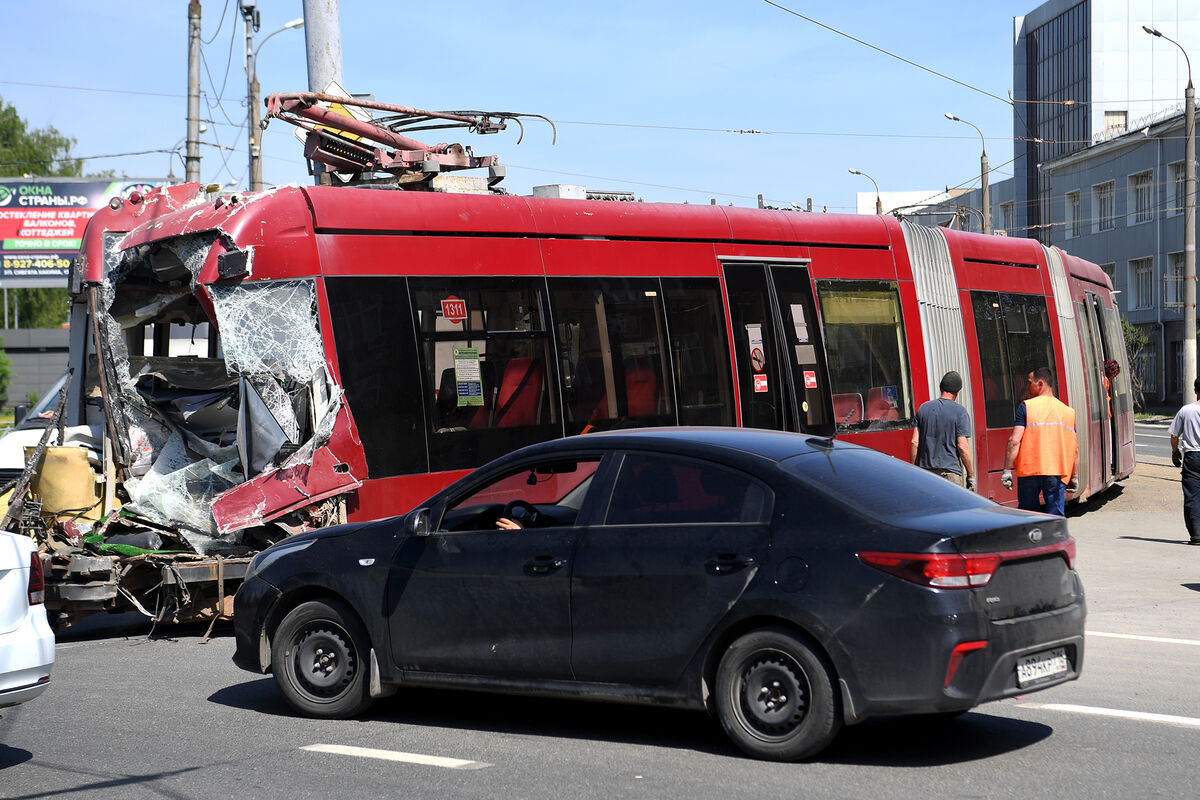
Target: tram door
[(1095, 351), (783, 381)]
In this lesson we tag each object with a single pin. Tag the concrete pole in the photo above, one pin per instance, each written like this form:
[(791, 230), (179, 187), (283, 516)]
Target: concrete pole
[(192, 160), (987, 206), (323, 42), (1189, 222), (1189, 241), (250, 13)]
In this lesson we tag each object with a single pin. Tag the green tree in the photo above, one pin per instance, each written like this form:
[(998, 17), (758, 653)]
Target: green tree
[(41, 151), (6, 373), (1135, 345)]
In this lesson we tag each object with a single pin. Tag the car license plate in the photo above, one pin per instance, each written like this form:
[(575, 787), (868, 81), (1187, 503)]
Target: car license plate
[(1041, 667)]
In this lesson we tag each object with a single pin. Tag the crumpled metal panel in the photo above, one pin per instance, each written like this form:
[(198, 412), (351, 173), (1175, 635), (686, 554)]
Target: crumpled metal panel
[(311, 474)]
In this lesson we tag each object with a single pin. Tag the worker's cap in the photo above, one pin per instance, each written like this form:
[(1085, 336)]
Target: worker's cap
[(951, 382)]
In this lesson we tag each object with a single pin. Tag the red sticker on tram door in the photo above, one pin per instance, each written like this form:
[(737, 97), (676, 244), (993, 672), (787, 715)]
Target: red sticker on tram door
[(810, 379), (454, 309), (760, 383)]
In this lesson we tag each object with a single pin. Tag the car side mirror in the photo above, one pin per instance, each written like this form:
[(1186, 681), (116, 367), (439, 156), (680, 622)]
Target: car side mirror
[(19, 413), (418, 522)]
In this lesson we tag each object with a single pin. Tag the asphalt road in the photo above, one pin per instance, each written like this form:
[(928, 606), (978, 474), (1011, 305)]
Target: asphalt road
[(1152, 441), (129, 716)]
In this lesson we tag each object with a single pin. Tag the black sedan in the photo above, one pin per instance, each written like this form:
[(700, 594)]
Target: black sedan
[(788, 584)]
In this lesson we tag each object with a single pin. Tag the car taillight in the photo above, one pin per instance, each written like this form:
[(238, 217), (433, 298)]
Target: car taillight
[(939, 570), (37, 580), (958, 570)]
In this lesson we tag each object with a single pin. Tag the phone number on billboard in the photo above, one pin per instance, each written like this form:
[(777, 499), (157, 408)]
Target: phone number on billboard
[(23, 262)]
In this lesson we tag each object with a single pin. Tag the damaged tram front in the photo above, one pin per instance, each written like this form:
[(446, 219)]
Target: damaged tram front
[(216, 425)]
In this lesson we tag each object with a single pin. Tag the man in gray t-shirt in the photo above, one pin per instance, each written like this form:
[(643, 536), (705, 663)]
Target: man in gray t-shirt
[(939, 443), (1185, 452)]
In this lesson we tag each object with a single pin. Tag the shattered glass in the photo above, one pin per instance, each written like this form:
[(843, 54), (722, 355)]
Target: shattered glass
[(270, 329), (179, 417), (180, 491)]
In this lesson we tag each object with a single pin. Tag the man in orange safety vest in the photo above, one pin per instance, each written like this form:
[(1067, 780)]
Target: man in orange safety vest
[(1042, 447)]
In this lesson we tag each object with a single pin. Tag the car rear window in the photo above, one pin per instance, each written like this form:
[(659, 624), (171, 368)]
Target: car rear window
[(880, 485)]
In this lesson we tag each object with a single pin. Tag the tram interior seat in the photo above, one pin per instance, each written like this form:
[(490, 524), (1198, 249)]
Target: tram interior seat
[(848, 408), (450, 415), (879, 406), (643, 392), (519, 400)]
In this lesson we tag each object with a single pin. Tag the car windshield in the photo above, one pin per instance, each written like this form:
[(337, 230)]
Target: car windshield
[(880, 485)]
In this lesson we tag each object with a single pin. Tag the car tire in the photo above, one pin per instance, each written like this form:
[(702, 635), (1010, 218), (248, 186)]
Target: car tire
[(775, 696), (318, 657)]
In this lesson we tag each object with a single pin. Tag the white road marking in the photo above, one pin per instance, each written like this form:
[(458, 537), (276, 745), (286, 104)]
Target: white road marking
[(1140, 716), (1154, 435), (1158, 639), (395, 755)]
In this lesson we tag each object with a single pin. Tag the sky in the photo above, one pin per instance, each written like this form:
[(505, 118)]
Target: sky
[(646, 96)]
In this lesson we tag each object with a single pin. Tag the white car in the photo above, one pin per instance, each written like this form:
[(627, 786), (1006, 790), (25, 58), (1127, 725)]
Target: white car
[(26, 640)]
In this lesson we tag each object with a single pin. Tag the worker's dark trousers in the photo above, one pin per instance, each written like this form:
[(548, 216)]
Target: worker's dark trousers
[(1191, 494)]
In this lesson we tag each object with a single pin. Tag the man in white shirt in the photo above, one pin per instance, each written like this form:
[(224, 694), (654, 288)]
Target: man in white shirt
[(1185, 452)]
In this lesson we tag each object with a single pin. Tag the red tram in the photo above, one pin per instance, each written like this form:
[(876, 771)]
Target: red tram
[(359, 348)]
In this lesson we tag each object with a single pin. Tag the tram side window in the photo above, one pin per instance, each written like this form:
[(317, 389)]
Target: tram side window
[(1114, 337), (1013, 331), (377, 361), (487, 367), (699, 350), (866, 351), (611, 352), (1092, 376)]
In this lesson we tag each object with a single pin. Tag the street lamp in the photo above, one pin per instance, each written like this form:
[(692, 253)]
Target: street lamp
[(1189, 221), (983, 173), (878, 202), (250, 13)]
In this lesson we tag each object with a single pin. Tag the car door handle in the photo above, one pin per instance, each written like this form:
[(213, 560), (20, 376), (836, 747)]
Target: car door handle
[(729, 563), (544, 564)]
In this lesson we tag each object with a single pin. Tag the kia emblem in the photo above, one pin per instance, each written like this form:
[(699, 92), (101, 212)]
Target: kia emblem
[(1035, 535)]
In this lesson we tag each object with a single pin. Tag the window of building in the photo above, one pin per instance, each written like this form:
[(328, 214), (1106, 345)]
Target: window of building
[(1114, 122), (1141, 283), (1141, 197), (1074, 213), (1173, 281), (1147, 368), (1102, 201), (1006, 216), (1179, 186), (867, 355), (1013, 331)]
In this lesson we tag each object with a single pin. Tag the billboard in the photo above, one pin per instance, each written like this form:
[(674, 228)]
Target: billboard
[(42, 223)]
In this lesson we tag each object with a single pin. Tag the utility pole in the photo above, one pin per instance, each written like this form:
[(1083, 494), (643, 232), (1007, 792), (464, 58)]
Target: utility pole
[(250, 14), (192, 161), (1189, 221), (323, 42)]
